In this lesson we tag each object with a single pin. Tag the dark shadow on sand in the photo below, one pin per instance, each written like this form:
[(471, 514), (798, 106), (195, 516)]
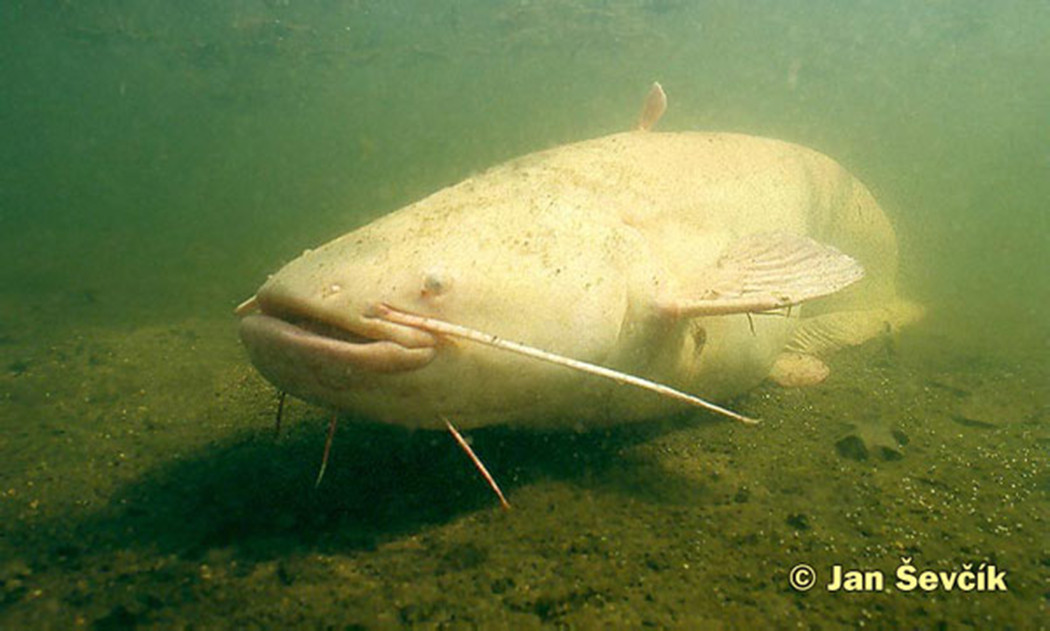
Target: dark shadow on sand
[(254, 495)]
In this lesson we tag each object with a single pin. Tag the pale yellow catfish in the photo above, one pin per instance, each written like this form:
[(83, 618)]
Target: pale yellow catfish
[(647, 254)]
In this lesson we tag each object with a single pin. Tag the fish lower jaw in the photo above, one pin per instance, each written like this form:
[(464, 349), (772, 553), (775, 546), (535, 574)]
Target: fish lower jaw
[(289, 350)]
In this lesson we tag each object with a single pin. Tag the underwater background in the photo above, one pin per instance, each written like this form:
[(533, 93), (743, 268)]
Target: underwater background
[(159, 159)]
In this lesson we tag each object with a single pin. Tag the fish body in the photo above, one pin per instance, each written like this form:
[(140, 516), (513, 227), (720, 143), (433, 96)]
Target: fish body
[(655, 254)]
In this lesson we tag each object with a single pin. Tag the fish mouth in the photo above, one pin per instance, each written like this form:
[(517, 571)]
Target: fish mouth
[(295, 336)]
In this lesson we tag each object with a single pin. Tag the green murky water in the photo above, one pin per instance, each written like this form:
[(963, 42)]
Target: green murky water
[(160, 158)]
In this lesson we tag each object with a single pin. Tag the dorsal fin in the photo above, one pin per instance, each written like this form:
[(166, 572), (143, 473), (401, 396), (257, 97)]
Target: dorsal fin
[(654, 107)]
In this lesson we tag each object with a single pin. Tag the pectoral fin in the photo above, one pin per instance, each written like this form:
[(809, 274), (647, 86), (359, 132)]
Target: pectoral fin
[(768, 271), (829, 332)]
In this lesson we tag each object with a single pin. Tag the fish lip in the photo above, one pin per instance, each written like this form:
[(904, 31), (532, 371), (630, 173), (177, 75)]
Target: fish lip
[(284, 329), (333, 325), (264, 335)]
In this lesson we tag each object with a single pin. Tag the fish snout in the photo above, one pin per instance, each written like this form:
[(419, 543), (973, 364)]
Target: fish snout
[(288, 353), (303, 344)]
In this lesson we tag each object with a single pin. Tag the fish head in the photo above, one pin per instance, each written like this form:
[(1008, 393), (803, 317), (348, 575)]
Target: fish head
[(548, 281)]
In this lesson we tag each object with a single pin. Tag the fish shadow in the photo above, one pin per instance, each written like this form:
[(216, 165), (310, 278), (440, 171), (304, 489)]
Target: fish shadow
[(255, 495)]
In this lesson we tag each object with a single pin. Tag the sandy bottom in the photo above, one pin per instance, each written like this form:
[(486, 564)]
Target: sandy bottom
[(141, 486)]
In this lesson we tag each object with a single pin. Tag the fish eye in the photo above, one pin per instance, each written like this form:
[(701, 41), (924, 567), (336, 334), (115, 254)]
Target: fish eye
[(435, 282)]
